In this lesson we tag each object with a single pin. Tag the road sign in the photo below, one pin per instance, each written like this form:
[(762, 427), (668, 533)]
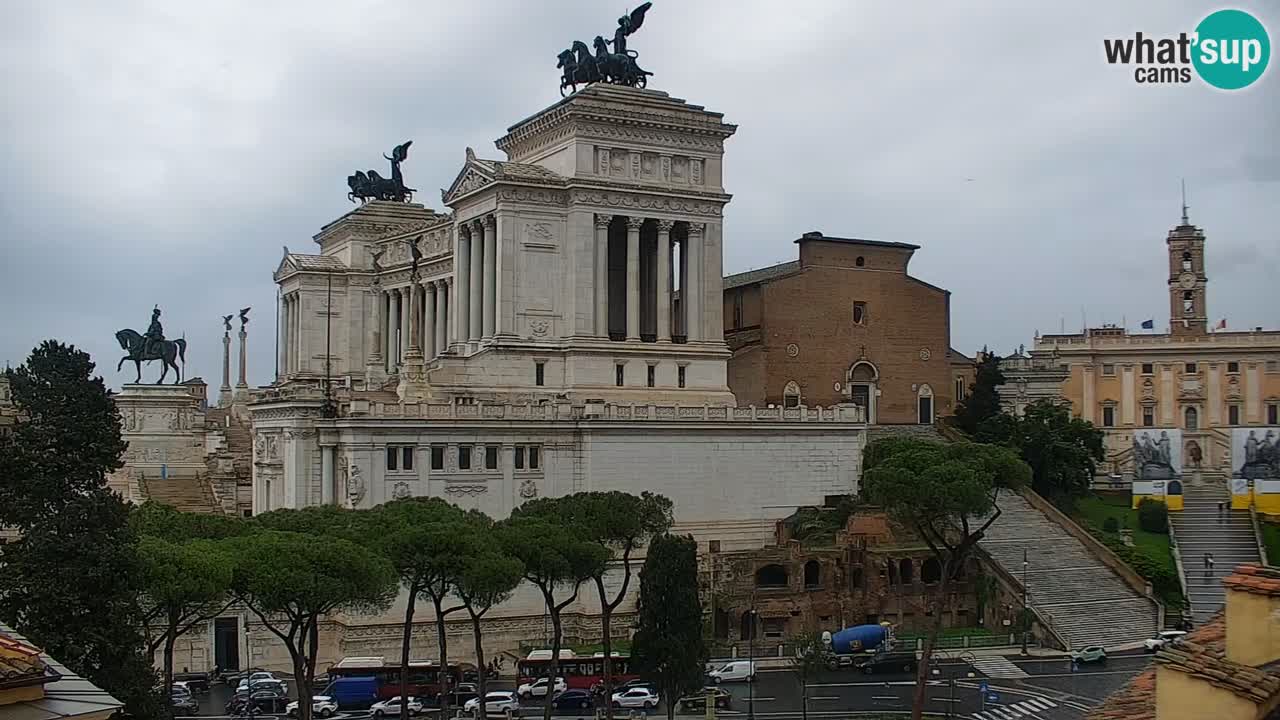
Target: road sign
[(982, 686), (992, 697)]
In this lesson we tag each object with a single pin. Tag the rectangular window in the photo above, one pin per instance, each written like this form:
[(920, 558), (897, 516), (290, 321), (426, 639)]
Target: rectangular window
[(1273, 366), (1148, 368), (1273, 414), (650, 376), (491, 457), (1233, 367), (519, 459), (1233, 414), (1108, 369), (1108, 416), (1148, 416), (464, 457), (680, 376), (539, 374), (1189, 368), (534, 457), (859, 313), (617, 374), (406, 455), (437, 457), (393, 458), (959, 389)]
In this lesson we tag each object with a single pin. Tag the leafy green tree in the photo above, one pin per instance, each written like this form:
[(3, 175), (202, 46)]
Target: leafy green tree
[(621, 523), (812, 656), (946, 494), (557, 559), (489, 578), (1153, 516), (669, 648), (293, 580), (430, 542), (1063, 451), (983, 401), (71, 582)]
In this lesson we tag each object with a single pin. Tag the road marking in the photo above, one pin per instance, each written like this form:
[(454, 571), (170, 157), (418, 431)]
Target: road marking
[(1041, 703), (824, 697), (762, 699), (865, 684), (998, 666), (885, 697)]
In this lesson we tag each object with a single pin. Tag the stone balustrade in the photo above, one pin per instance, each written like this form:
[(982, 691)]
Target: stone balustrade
[(605, 412)]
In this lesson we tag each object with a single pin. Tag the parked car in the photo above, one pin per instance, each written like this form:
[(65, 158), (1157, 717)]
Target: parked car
[(259, 681), (598, 688), (890, 662), (1090, 654), (184, 704), (1162, 638), (275, 686), (459, 695), (392, 707), (573, 698), (495, 703), (321, 706), (197, 683), (638, 697), (698, 701), (538, 688), (264, 702), (733, 671)]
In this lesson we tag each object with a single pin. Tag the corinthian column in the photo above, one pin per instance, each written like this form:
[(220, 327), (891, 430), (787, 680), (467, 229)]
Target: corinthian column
[(462, 274), (602, 275), (693, 293), (490, 275), (444, 332), (429, 321), (633, 277), (664, 280), (475, 323)]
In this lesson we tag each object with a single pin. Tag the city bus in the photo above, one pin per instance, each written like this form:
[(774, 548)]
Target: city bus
[(578, 671), (424, 675)]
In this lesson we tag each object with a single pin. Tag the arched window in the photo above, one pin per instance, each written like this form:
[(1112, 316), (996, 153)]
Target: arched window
[(721, 624), (1188, 302), (860, 261), (924, 401), (1186, 260), (746, 628), (893, 572), (1192, 418), (931, 571), (905, 571), (856, 578), (862, 380), (791, 395), (771, 576), (812, 574)]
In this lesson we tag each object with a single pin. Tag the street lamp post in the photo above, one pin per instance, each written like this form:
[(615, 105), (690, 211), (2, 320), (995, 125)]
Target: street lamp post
[(1026, 620), (751, 667)]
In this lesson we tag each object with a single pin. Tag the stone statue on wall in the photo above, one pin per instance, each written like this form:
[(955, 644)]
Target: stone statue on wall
[(355, 485), (150, 346)]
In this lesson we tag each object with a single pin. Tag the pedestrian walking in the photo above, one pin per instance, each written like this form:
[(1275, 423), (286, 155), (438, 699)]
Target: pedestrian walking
[(1211, 563)]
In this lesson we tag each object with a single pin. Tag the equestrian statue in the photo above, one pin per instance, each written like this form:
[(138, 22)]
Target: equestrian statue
[(372, 186), (152, 346), (618, 67)]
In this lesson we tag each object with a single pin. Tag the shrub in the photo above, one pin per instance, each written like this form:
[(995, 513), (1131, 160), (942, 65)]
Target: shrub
[(1111, 525), (1153, 516)]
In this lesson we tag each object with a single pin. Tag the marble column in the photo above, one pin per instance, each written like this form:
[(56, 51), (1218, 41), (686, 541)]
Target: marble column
[(602, 275), (226, 366), (633, 277), (402, 346), (375, 350), (663, 283), (693, 291), (282, 337), (414, 331), (475, 321), (393, 354), (462, 275), (389, 329), (429, 320), (490, 275), (244, 337), (327, 453), (295, 340), (444, 327)]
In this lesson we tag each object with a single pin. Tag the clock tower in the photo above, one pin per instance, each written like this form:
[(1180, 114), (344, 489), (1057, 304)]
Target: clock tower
[(1188, 313)]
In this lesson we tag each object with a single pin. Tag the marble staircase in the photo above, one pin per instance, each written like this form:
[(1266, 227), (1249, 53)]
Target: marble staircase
[(1201, 529), (185, 493), (1076, 592)]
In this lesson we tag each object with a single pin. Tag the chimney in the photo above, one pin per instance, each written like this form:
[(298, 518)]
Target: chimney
[(1253, 615)]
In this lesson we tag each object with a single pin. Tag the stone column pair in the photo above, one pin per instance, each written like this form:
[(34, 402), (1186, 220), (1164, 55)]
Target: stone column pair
[(662, 309)]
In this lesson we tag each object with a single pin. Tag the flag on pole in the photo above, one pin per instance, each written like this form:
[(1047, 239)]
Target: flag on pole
[(1222, 324), (1149, 324)]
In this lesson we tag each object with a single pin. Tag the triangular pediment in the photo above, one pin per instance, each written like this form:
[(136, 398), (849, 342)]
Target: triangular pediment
[(474, 175), (286, 266)]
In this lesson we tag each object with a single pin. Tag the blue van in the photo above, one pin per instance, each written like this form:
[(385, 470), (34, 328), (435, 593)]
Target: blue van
[(353, 693)]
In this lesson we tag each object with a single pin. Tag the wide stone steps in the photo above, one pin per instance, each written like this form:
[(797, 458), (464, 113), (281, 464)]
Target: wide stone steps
[(1201, 529), (188, 494), (1072, 589)]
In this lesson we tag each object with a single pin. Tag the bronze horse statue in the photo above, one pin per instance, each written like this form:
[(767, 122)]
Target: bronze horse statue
[(168, 353)]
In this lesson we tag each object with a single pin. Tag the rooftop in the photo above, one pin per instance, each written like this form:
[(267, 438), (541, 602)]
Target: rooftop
[(760, 274), (816, 235), (321, 263), (68, 696), (1254, 579)]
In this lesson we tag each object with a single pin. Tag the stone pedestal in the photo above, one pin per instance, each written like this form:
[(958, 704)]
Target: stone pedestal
[(164, 427)]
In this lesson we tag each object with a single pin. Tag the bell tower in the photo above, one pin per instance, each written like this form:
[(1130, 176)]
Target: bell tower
[(1188, 313)]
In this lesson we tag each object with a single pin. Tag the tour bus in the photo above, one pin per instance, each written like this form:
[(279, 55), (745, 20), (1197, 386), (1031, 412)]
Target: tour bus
[(579, 671), (424, 675)]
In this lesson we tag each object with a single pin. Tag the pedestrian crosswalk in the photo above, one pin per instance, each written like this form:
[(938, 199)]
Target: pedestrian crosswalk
[(1024, 710), (998, 666)]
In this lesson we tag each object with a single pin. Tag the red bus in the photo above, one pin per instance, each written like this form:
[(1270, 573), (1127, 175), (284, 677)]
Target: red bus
[(578, 671), (424, 675)]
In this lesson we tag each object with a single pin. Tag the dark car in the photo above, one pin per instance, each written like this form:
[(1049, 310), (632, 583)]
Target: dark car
[(184, 704), (900, 662), (698, 701), (573, 698), (459, 695), (264, 702)]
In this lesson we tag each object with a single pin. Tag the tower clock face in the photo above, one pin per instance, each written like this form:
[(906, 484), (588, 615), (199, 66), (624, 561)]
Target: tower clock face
[(1187, 281)]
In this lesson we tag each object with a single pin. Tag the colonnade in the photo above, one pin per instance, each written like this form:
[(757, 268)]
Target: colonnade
[(414, 317), (641, 264)]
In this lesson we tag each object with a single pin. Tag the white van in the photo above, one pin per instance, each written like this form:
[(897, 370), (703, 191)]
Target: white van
[(734, 671)]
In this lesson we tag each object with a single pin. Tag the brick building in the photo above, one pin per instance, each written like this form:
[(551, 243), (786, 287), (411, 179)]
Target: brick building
[(844, 324)]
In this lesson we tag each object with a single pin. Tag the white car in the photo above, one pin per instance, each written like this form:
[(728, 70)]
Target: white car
[(736, 670), (392, 707), (321, 706), (538, 688), (1162, 638), (495, 703), (636, 697), (256, 678)]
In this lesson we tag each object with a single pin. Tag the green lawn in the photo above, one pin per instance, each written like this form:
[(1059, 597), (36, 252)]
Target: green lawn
[(1271, 539), (1096, 509)]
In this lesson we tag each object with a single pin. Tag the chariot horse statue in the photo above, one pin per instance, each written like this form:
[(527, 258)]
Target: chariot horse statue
[(152, 346)]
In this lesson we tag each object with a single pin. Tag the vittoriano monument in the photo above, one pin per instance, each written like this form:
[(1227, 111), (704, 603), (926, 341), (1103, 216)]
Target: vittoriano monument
[(618, 67), (372, 186), (152, 346)]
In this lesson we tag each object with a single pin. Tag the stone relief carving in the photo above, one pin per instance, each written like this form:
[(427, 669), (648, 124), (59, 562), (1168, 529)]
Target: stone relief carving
[(1233, 387), (451, 459), (604, 162), (472, 181), (541, 197), (645, 202), (695, 171), (355, 485), (539, 233), (131, 420), (466, 489), (267, 448), (635, 165), (539, 327), (793, 350), (925, 354), (400, 491), (665, 172), (528, 489)]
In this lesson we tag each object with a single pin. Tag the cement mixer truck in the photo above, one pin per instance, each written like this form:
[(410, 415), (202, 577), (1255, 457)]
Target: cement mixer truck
[(857, 646)]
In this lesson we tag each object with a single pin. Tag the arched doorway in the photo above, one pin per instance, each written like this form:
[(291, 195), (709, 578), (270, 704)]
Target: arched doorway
[(863, 378), (905, 571), (746, 628), (924, 403), (771, 576), (931, 571), (791, 395), (812, 574)]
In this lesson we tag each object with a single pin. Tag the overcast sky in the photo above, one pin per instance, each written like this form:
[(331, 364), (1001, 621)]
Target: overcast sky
[(163, 152)]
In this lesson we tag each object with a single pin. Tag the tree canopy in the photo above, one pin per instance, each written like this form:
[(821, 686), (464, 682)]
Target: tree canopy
[(1062, 451), (490, 577), (668, 647), (983, 400)]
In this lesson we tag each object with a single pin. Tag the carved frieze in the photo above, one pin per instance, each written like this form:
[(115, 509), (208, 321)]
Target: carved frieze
[(528, 489), (635, 201), (400, 491), (466, 489)]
